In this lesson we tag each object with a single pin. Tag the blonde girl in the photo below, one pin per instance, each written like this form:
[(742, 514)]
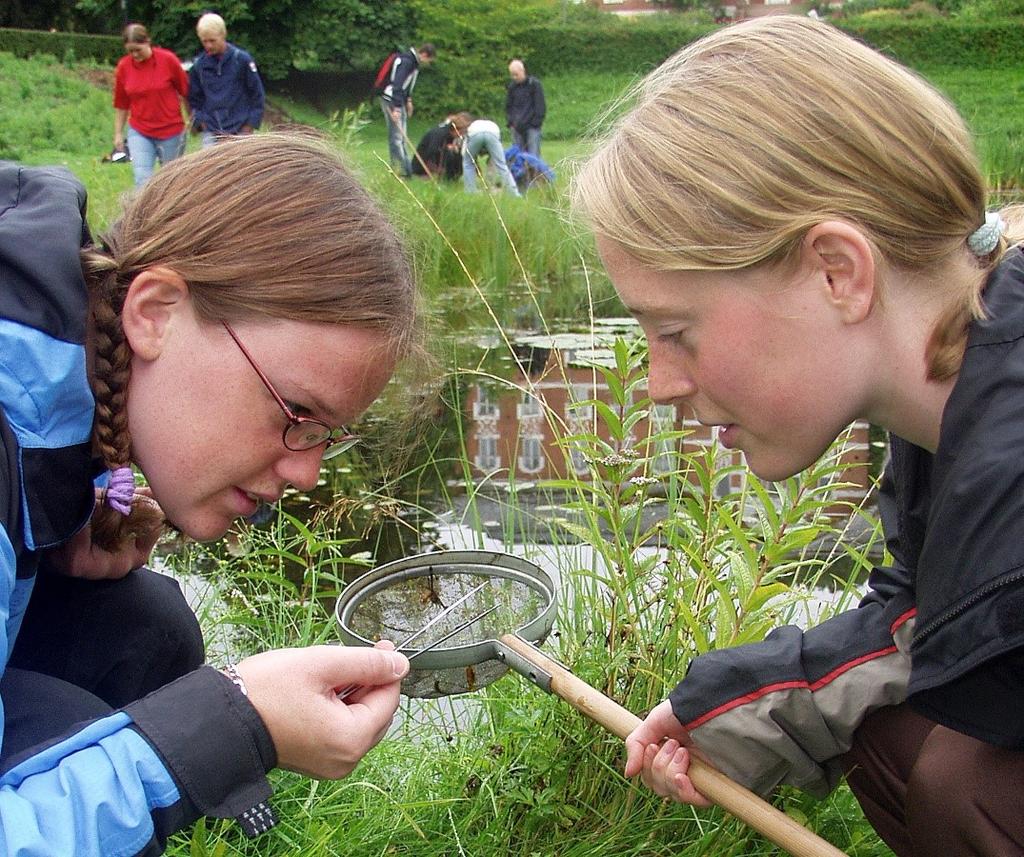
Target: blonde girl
[(799, 224)]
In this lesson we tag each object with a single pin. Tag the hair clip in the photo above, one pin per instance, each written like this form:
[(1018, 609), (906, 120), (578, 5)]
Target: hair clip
[(986, 237), (120, 490)]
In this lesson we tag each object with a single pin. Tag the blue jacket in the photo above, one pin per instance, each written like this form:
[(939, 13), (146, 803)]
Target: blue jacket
[(225, 91), (122, 783)]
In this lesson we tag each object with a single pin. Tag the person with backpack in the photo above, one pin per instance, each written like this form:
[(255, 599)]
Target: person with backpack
[(395, 81), (225, 91)]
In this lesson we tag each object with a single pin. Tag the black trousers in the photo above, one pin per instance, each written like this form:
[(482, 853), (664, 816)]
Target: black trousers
[(88, 647)]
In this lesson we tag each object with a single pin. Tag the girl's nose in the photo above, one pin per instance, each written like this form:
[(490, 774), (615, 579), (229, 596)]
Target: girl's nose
[(301, 469), (669, 378)]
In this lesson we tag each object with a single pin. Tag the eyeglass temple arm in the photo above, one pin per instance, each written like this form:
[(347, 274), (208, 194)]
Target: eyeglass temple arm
[(266, 381)]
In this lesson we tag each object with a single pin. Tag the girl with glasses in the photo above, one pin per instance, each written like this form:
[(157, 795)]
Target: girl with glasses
[(251, 301), (799, 225)]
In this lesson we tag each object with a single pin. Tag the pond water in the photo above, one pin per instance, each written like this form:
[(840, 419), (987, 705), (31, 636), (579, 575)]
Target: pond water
[(484, 478), (423, 718), (495, 449)]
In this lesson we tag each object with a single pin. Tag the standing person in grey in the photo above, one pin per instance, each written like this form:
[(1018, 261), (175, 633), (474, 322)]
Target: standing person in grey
[(225, 91), (396, 101), (481, 135), (524, 108)]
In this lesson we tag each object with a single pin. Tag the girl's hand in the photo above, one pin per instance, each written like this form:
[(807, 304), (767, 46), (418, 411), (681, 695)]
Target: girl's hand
[(658, 750), (314, 732), (79, 557)]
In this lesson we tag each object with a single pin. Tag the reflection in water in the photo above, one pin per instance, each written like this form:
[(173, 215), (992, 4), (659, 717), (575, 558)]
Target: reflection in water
[(398, 610), (513, 407), (481, 457), (522, 408)]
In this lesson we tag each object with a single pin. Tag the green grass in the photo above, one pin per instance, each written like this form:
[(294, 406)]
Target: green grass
[(519, 772), (988, 101)]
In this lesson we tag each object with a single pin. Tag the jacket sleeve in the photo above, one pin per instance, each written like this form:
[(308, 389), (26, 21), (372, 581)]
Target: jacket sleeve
[(782, 710), (401, 70), (254, 92), (539, 106), (179, 79), (196, 96), (122, 784)]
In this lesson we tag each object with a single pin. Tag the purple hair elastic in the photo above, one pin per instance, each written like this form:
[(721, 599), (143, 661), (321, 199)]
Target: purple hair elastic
[(120, 490)]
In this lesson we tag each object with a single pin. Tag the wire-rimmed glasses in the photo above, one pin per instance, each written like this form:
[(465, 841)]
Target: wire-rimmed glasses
[(301, 433)]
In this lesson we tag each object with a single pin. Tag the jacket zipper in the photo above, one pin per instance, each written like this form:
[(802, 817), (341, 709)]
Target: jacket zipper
[(963, 605)]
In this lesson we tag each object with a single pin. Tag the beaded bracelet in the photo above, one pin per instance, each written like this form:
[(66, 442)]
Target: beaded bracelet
[(232, 673)]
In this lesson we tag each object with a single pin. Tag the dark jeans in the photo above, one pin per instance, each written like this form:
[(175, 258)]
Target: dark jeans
[(929, 790), (89, 647)]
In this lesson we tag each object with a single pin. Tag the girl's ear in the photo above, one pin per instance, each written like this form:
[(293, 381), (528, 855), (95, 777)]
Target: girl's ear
[(151, 303), (842, 255)]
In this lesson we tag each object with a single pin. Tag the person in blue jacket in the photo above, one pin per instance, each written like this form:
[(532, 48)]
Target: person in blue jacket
[(214, 343), (799, 225), (225, 91)]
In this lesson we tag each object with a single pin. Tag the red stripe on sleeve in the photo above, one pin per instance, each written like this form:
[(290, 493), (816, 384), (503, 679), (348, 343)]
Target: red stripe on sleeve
[(903, 617), (788, 685)]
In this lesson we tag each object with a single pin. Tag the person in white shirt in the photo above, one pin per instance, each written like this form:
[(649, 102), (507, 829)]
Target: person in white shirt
[(478, 136)]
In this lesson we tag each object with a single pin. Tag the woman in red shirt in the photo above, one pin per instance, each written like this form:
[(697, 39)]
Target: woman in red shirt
[(150, 91)]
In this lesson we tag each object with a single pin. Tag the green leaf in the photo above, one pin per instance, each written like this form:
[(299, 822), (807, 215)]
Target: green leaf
[(611, 420), (741, 574), (762, 594)]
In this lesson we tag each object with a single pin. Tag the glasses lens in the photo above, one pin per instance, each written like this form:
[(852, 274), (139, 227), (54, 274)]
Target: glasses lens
[(340, 447), (305, 435)]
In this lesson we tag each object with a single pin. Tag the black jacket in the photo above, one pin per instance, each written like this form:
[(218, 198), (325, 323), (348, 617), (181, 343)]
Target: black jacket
[(435, 151), (946, 618), (524, 104)]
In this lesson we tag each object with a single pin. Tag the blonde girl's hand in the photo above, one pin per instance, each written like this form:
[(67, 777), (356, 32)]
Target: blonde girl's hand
[(79, 557), (659, 751), (295, 691)]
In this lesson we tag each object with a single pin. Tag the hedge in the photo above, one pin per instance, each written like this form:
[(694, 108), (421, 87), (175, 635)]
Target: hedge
[(474, 49), (68, 47), (474, 45), (922, 43), (472, 53)]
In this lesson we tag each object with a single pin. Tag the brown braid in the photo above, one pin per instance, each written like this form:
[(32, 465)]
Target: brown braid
[(111, 370)]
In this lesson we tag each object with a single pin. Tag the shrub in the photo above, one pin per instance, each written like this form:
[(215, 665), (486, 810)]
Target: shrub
[(69, 47), (950, 42), (475, 41)]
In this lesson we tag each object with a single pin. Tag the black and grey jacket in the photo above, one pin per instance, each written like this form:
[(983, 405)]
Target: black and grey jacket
[(524, 104), (946, 619), (404, 71)]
